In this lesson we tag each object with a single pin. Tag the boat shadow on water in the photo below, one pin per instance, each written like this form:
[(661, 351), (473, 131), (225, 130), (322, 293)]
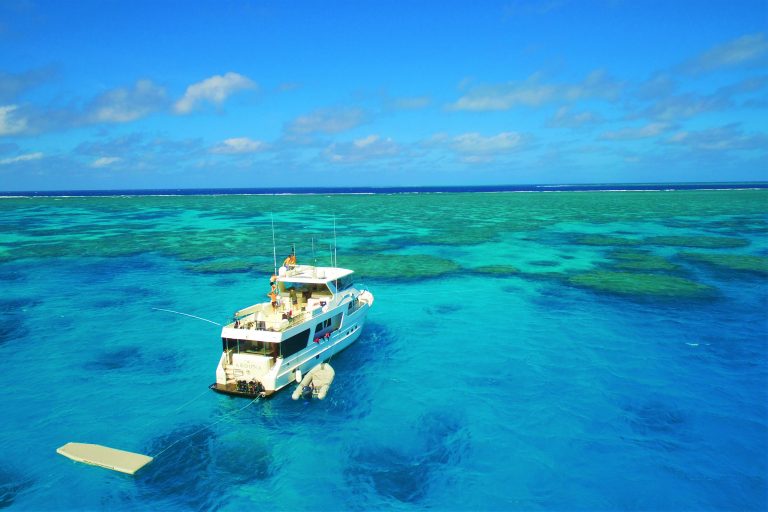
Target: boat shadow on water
[(352, 394), (350, 397)]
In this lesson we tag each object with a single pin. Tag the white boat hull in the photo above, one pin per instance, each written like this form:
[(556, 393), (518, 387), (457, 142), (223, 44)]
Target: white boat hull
[(275, 373)]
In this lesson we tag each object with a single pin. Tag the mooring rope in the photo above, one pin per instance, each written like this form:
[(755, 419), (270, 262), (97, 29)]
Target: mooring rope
[(186, 404), (205, 427)]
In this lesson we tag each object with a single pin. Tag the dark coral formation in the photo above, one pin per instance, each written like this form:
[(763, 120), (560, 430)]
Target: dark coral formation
[(641, 284)]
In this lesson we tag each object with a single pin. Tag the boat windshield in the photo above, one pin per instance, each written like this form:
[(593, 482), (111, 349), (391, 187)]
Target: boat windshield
[(345, 282), (305, 290)]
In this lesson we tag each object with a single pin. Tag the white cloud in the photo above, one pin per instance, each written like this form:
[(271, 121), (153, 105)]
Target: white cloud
[(659, 85), (13, 85), (215, 89), (684, 106), (678, 137), (676, 107), (565, 118), (413, 103), (744, 50), (475, 143), (474, 148), (722, 138), (328, 121), (476, 159), (289, 86), (10, 123), (641, 132), (126, 104), (239, 145), (366, 141), (104, 161), (533, 93), (366, 148), (21, 158)]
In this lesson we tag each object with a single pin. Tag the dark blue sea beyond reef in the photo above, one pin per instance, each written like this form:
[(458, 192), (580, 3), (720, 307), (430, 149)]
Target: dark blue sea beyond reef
[(581, 350), (398, 190)]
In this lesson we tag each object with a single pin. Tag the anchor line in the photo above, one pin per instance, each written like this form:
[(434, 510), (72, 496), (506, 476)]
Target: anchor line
[(186, 404), (205, 427), (187, 314)]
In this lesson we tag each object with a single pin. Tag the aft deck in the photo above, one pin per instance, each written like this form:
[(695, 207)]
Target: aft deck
[(266, 317)]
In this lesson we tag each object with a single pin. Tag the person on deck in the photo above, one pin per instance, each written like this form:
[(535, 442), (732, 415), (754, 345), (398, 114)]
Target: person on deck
[(273, 296), (290, 261)]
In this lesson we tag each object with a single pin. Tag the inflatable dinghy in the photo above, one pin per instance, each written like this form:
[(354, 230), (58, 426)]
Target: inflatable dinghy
[(315, 383)]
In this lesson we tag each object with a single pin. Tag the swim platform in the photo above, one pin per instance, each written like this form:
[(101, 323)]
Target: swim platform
[(105, 457)]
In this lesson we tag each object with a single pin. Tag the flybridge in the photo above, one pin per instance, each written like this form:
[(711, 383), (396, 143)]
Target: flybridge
[(310, 274)]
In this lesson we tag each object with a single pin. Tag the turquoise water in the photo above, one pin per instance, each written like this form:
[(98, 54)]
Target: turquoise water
[(565, 351)]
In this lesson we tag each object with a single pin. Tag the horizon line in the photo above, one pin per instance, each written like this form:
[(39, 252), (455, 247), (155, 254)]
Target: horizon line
[(404, 188)]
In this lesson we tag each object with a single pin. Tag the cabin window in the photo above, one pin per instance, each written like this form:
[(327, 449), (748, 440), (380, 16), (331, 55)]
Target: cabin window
[(295, 343), (263, 348), (323, 327), (305, 290)]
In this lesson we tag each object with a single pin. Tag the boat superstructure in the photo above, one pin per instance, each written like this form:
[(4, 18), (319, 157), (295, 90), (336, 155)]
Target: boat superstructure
[(315, 313)]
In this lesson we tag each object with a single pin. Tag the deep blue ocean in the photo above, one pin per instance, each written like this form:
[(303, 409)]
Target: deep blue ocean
[(577, 350), (397, 190)]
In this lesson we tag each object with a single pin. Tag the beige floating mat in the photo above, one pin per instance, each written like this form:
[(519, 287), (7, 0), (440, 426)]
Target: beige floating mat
[(110, 458)]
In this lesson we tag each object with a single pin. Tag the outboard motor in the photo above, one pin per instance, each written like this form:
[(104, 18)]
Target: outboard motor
[(306, 392)]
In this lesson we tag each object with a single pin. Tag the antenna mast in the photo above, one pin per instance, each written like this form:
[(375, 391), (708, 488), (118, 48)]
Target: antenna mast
[(335, 256), (314, 260), (274, 250)]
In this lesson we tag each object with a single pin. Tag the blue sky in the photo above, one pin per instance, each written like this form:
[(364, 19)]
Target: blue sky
[(172, 94)]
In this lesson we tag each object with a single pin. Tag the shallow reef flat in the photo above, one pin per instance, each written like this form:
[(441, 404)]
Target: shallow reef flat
[(222, 267), (380, 235), (642, 284), (396, 266), (704, 242), (736, 262), (495, 270)]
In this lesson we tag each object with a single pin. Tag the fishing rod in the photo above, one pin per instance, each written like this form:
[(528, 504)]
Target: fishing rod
[(187, 314)]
